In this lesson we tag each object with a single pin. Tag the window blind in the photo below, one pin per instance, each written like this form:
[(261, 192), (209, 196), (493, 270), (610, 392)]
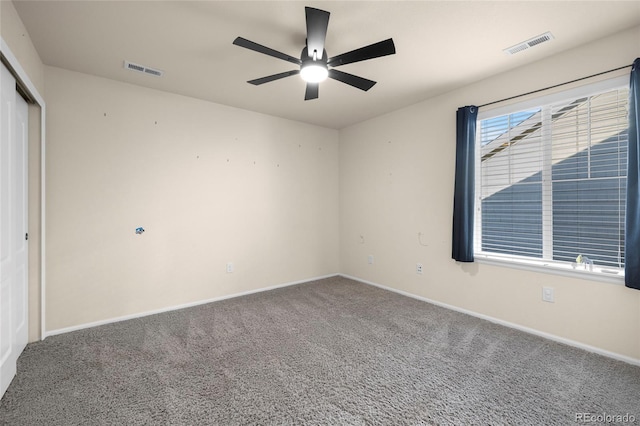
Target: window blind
[(551, 181)]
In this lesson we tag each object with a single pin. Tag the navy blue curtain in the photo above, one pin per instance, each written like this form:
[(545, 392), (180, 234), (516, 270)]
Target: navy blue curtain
[(463, 195), (632, 229)]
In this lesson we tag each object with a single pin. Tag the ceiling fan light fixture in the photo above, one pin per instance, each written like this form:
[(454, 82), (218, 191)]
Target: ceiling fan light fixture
[(314, 66), (314, 72)]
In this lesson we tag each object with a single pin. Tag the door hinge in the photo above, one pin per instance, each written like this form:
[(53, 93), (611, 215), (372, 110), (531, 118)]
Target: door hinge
[(26, 236)]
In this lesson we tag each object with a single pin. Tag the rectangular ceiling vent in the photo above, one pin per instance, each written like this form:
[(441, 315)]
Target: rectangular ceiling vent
[(141, 68), (542, 38)]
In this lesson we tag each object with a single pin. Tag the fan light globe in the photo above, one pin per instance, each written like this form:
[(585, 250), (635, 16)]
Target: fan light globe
[(314, 72)]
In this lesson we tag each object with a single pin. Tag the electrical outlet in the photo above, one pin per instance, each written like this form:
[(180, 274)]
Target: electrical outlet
[(229, 267), (419, 268), (370, 259), (547, 294)]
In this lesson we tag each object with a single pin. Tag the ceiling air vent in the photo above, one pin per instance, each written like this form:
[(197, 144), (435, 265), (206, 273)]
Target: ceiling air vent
[(542, 38), (141, 68)]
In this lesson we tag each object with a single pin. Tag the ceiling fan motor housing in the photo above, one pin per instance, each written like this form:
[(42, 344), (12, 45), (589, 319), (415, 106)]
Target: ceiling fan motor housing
[(313, 69)]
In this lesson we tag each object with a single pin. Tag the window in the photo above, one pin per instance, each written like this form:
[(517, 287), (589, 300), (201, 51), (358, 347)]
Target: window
[(551, 180)]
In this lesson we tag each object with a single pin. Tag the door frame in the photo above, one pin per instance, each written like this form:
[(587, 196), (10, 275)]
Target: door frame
[(25, 82)]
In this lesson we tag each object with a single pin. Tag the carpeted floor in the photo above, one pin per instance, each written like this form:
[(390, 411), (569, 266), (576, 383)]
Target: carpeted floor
[(330, 352)]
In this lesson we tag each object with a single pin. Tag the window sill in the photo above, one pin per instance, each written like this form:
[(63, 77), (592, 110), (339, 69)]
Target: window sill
[(565, 269)]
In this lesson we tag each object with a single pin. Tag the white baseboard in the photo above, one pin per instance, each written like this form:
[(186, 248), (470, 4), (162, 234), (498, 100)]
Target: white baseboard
[(549, 336), (176, 307), (553, 337)]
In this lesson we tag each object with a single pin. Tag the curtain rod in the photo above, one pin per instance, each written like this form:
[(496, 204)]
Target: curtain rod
[(556, 85)]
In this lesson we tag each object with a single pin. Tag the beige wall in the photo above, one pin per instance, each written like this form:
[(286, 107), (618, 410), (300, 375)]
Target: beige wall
[(397, 175), (17, 38), (209, 183), (15, 35)]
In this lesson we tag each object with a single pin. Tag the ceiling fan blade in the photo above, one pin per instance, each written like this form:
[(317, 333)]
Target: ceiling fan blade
[(352, 80), (376, 50), (248, 44), (317, 23), (273, 77), (311, 92)]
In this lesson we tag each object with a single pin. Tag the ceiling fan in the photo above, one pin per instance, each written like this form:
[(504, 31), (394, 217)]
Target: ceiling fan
[(315, 66)]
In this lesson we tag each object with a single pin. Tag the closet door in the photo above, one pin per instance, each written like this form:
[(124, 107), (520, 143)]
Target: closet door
[(13, 223), (20, 236)]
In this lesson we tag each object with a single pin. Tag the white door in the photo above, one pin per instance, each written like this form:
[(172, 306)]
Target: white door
[(20, 161), (13, 227)]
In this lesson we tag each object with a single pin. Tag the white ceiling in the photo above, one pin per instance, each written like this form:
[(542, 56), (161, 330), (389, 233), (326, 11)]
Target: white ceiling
[(440, 45)]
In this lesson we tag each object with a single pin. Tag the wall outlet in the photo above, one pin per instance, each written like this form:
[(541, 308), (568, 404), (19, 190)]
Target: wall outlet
[(229, 267), (419, 268), (547, 294), (370, 259)]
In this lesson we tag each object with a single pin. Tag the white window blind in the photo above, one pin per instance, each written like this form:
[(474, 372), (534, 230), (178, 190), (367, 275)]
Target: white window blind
[(551, 181)]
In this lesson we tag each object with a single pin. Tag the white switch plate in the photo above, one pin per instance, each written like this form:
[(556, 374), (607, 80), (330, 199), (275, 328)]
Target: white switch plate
[(419, 268), (547, 294), (370, 259), (229, 267)]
